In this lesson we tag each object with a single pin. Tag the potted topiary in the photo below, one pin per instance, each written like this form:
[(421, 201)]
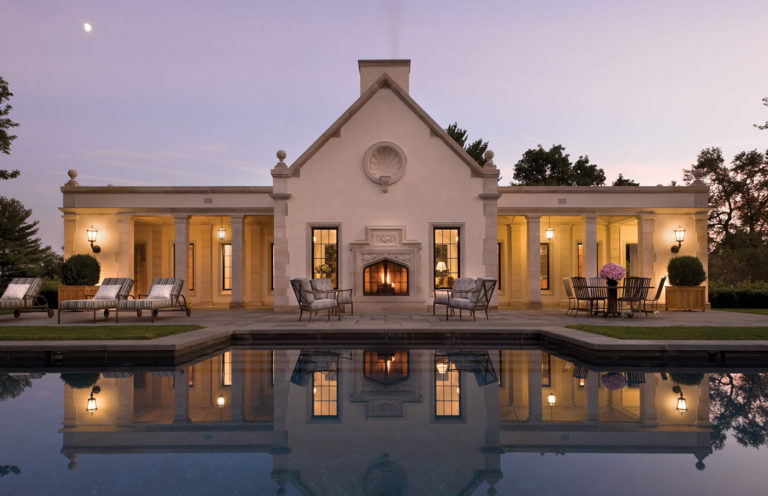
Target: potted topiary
[(79, 275), (685, 276)]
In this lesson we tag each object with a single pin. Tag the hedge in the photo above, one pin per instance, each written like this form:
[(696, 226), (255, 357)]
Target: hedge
[(738, 297)]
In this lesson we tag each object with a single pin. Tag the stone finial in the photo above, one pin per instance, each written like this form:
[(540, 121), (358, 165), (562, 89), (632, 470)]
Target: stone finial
[(281, 157), (72, 173), (697, 175), (488, 156)]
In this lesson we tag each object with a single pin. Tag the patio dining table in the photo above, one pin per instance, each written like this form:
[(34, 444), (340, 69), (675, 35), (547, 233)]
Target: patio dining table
[(612, 302)]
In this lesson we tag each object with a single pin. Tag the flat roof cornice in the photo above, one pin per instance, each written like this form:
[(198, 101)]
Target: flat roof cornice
[(604, 189), (162, 190)]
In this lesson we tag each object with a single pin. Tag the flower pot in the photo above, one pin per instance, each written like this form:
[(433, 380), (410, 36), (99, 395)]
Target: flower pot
[(684, 298)]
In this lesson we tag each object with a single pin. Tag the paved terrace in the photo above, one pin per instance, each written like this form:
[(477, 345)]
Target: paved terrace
[(505, 328)]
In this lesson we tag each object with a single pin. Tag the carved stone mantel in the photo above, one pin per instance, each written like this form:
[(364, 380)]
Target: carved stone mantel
[(387, 243)]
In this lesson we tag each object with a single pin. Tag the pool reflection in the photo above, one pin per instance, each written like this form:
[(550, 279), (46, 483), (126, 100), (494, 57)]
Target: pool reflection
[(354, 421)]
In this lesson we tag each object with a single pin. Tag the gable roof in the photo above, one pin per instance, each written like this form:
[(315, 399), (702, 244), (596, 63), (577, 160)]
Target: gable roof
[(385, 81)]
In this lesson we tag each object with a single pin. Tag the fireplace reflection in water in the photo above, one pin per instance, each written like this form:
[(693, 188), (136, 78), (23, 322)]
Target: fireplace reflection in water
[(385, 278)]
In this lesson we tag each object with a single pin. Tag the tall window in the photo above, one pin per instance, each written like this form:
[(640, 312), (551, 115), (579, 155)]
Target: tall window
[(190, 282), (325, 249), (498, 265), (580, 259), (545, 266), (226, 266), (272, 262), (226, 368), (446, 247), (325, 394), (447, 389)]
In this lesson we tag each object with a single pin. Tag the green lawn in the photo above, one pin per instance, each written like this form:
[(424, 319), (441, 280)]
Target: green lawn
[(66, 333), (758, 311), (695, 333)]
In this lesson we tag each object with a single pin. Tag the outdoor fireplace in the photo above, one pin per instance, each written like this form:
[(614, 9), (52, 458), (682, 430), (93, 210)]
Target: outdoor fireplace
[(385, 278)]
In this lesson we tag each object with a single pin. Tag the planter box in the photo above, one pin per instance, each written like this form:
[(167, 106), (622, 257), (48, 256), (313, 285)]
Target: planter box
[(685, 298), (76, 292)]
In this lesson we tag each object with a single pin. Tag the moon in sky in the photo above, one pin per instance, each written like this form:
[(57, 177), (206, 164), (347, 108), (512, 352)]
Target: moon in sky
[(87, 27)]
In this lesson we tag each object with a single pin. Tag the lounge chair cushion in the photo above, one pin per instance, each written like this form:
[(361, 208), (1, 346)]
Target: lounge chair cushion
[(160, 292), (475, 292), (441, 297), (15, 291), (107, 292), (92, 304), (462, 287), (462, 303), (7, 303), (323, 304), (323, 287), (147, 304)]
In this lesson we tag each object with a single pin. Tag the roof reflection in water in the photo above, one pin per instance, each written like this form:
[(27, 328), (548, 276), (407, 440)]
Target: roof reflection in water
[(353, 422)]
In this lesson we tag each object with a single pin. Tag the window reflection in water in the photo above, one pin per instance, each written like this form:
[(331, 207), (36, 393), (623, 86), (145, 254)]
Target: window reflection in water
[(447, 388)]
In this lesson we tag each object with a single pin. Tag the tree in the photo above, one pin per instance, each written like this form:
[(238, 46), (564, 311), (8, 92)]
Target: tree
[(20, 252), (738, 195), (5, 124), (476, 149), (764, 126), (553, 167), (624, 181)]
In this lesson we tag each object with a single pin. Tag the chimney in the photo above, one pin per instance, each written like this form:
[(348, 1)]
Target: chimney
[(371, 70)]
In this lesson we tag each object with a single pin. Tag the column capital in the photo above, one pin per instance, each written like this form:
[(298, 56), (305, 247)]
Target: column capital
[(531, 217)]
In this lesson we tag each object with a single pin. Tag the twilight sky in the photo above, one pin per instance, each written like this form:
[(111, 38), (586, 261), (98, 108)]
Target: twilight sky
[(178, 92)]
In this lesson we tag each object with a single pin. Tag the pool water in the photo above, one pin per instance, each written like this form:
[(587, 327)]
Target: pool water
[(382, 422)]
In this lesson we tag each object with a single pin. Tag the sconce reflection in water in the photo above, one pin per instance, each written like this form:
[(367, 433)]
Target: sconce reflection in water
[(682, 405), (91, 406)]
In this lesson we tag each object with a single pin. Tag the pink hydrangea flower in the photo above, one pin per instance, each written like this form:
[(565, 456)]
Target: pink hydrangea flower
[(613, 271), (613, 381)]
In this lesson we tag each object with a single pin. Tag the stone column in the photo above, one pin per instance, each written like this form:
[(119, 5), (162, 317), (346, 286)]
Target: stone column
[(702, 249), (280, 175), (237, 389), (181, 238), (534, 386), (236, 300), (534, 261), (593, 396), (70, 229), (490, 197), (646, 225), (180, 398), (649, 416), (590, 245), (125, 243)]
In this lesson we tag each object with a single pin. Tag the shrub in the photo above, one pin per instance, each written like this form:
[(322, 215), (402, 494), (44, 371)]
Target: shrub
[(745, 294), (79, 380), (80, 270), (686, 271), (50, 291)]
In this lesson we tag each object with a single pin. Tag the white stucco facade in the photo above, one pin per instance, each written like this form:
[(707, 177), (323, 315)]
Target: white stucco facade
[(384, 178)]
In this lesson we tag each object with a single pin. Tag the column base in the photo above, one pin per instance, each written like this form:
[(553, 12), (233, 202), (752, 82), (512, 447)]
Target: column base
[(535, 305), (236, 304)]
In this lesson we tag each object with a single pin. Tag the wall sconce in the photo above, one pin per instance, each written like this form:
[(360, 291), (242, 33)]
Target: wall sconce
[(549, 233), (220, 400), (92, 231), (682, 406), (679, 238), (582, 382), (91, 406), (551, 400), (221, 232)]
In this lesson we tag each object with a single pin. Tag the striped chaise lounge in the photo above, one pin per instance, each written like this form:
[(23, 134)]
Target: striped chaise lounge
[(112, 291), (23, 293), (164, 293)]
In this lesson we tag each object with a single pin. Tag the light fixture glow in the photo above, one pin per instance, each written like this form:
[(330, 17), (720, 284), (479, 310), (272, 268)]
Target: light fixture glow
[(549, 233), (551, 399), (679, 238), (91, 406), (582, 382), (87, 27), (442, 365), (92, 231), (682, 404), (220, 401), (221, 232)]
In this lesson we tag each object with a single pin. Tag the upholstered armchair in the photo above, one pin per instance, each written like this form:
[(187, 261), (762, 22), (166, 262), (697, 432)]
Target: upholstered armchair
[(478, 298), (324, 286), (311, 301), (461, 288)]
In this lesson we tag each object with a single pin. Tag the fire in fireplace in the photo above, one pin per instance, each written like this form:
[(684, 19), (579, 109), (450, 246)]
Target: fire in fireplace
[(385, 278)]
